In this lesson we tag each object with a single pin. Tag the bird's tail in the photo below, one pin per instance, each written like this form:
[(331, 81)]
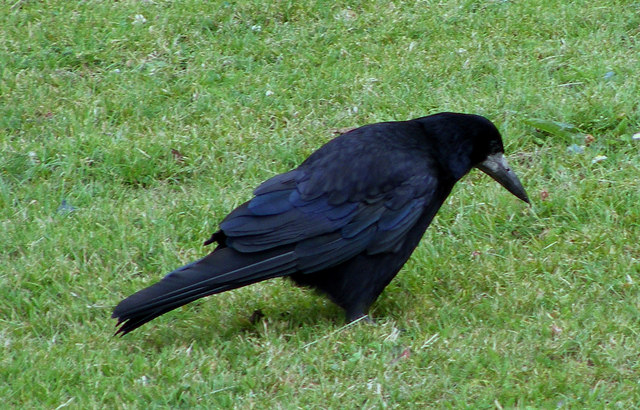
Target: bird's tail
[(223, 269)]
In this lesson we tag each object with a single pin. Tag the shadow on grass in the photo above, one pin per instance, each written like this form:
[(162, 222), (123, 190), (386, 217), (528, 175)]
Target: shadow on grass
[(299, 314)]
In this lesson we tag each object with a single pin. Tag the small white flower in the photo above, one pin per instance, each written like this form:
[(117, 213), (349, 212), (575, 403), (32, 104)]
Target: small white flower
[(269, 93), (257, 28), (139, 19), (636, 136), (33, 157), (598, 158), (346, 15)]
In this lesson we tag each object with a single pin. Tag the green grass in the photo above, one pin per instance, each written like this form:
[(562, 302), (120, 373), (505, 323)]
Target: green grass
[(501, 305)]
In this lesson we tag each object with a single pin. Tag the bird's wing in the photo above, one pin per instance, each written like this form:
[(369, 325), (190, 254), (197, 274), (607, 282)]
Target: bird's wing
[(334, 210)]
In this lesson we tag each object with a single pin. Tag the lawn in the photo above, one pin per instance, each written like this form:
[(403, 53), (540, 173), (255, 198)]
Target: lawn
[(129, 129)]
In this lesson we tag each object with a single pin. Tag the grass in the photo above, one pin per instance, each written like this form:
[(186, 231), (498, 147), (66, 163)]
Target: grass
[(154, 119)]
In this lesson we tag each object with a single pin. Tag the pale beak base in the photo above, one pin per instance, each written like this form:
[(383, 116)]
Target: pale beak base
[(497, 168)]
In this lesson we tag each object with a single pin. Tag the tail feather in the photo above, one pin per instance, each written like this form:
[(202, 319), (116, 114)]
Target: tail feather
[(222, 270)]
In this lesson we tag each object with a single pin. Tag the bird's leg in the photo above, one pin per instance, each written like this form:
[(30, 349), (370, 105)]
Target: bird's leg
[(353, 316)]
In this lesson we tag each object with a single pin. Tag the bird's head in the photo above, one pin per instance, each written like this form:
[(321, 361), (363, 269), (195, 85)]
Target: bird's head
[(474, 141), (492, 161)]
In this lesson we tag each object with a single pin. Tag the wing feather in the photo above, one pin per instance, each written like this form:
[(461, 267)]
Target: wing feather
[(332, 216)]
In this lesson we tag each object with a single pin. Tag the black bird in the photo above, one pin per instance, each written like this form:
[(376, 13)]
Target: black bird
[(343, 222)]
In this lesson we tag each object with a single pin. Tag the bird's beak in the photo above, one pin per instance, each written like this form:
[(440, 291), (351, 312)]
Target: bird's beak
[(497, 168)]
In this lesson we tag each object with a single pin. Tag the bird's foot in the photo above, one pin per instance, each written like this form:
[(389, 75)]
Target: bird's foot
[(361, 317)]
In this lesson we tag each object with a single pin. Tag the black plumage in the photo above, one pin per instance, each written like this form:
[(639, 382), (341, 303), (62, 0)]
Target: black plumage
[(344, 221)]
